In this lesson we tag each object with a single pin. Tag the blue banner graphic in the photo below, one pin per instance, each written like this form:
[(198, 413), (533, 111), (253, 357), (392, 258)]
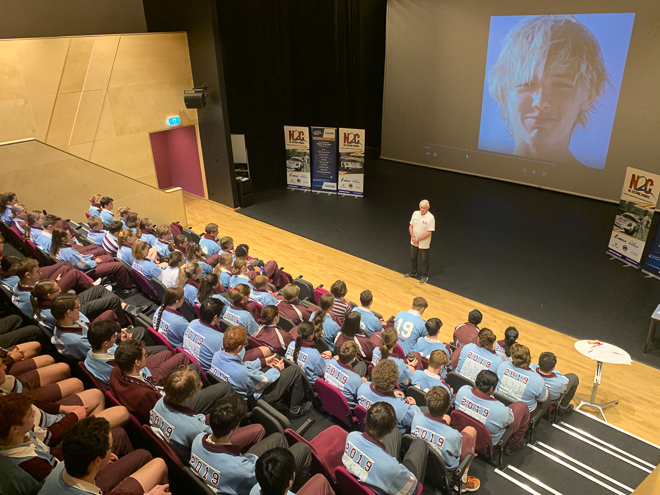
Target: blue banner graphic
[(324, 159)]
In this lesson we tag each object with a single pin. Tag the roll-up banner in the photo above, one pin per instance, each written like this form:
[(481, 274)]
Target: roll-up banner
[(298, 174), (652, 263), (324, 159), (351, 162), (633, 219)]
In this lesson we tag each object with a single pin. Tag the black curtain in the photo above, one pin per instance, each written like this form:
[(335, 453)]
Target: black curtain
[(296, 62)]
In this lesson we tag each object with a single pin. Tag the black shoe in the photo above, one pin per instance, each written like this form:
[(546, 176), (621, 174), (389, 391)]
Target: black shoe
[(302, 409), (563, 411), (126, 292), (410, 275), (424, 279), (509, 450), (135, 310)]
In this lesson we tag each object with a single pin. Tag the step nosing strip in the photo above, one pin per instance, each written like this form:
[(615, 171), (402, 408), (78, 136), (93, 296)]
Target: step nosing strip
[(524, 486), (590, 416), (534, 480)]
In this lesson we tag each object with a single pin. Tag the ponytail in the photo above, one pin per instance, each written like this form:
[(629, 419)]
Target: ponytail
[(59, 235), (207, 287), (326, 303), (239, 264), (305, 331), (172, 295), (40, 293), (389, 338), (186, 272), (268, 315)]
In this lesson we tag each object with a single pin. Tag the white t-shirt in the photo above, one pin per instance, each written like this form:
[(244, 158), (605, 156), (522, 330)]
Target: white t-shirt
[(422, 225), (169, 276)]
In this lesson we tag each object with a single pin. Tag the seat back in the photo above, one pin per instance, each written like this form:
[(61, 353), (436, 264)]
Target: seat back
[(162, 449), (159, 288), (196, 309), (193, 360), (361, 416), (333, 401), (318, 292), (398, 351), (349, 485), (306, 289), (197, 483), (484, 441), (417, 394), (160, 339), (456, 381), (191, 236), (145, 286), (286, 324), (437, 475), (91, 378), (187, 310), (542, 407)]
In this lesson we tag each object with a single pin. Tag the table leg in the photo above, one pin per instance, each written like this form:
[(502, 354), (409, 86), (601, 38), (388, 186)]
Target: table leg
[(649, 337), (592, 401)]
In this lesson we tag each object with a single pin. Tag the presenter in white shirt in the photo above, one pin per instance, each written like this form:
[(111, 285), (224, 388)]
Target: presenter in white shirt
[(422, 225)]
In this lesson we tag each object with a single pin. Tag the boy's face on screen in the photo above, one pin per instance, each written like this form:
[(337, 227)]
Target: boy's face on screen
[(543, 111)]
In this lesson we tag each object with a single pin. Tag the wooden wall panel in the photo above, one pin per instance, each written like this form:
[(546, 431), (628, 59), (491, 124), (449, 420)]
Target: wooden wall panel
[(42, 61)]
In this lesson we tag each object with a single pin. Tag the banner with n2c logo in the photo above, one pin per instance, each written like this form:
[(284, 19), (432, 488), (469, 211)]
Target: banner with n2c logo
[(633, 218), (351, 162), (296, 141)]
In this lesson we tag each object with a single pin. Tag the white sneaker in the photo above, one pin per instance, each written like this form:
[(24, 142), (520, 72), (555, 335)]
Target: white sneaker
[(108, 287), (97, 282)]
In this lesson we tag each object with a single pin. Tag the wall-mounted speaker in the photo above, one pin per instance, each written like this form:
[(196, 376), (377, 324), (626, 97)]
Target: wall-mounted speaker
[(195, 100)]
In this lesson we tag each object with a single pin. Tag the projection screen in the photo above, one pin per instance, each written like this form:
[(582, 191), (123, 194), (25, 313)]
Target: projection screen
[(559, 95)]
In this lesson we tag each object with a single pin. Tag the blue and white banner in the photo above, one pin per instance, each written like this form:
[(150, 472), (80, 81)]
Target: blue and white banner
[(298, 174), (652, 263), (633, 219), (324, 159), (351, 162)]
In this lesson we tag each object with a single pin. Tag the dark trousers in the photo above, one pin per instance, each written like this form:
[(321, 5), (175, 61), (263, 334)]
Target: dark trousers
[(289, 383), (97, 300), (573, 382), (14, 332), (300, 451), (520, 422), (202, 402), (414, 250), (416, 457)]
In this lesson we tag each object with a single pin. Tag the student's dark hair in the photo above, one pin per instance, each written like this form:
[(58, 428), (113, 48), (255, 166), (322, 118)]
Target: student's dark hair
[(8, 262), (13, 408), (339, 289), (385, 375), (325, 304), (211, 227), (274, 470), (194, 252), (351, 326), (242, 251), (347, 352), (51, 220), (175, 258), (40, 294), (225, 242), (144, 222), (366, 298), (207, 287), (105, 201), (486, 380), (5, 198), (305, 331), (420, 303), (132, 220), (172, 295), (238, 293), (127, 353), (433, 326), (475, 317), (62, 304), (547, 362), (437, 400), (389, 339), (486, 338), (268, 314), (381, 420), (24, 266), (115, 226), (211, 308), (227, 414), (100, 332), (59, 237), (511, 335), (86, 440)]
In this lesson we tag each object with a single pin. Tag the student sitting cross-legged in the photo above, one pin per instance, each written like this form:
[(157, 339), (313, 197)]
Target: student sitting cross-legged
[(139, 392), (373, 456), (276, 383), (340, 373), (451, 444), (276, 473), (176, 424), (222, 465), (90, 466)]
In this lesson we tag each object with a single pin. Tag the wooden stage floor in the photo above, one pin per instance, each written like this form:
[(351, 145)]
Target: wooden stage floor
[(637, 386)]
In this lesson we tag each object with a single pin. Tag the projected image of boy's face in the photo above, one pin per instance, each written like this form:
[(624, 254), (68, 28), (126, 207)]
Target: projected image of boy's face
[(543, 112)]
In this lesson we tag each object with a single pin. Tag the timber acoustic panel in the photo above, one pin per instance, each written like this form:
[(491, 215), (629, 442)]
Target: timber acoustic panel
[(97, 97)]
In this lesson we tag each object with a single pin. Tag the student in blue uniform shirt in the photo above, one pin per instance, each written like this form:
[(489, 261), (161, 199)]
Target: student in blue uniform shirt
[(237, 314), (70, 334), (8, 278), (176, 424), (469, 360), (247, 380), (44, 241), (221, 464), (451, 444), (276, 473), (194, 253), (410, 325), (556, 383), (389, 340), (260, 293), (426, 345), (227, 246), (7, 200), (167, 319), (208, 242), (94, 205), (126, 240), (202, 339), (223, 269), (503, 347), (323, 319), (133, 221), (518, 381), (373, 456), (381, 389), (239, 276), (369, 323), (304, 353), (123, 212), (96, 232), (107, 204), (148, 232), (433, 376), (164, 238), (209, 287), (36, 223), (340, 374), (189, 276), (142, 264), (479, 403)]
